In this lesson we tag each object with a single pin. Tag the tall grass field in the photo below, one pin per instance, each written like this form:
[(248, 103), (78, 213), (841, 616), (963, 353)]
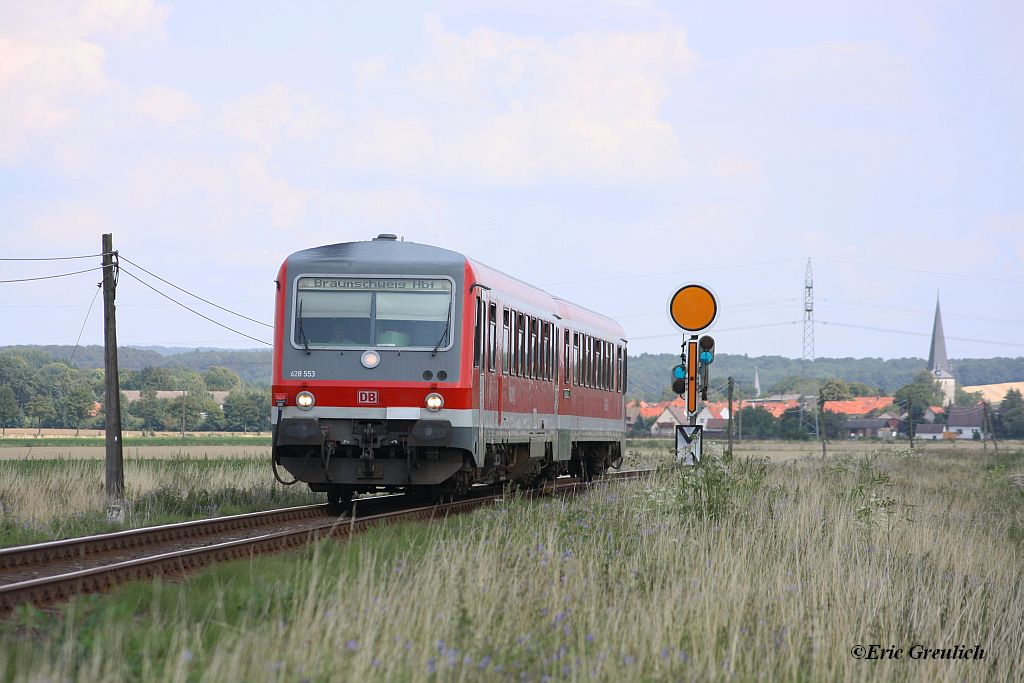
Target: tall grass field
[(740, 570)]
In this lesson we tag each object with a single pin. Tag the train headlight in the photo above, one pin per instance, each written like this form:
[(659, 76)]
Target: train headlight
[(370, 359), (434, 402), (304, 400)]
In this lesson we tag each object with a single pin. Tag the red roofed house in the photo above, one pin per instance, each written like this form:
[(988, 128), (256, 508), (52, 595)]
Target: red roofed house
[(666, 423), (860, 406)]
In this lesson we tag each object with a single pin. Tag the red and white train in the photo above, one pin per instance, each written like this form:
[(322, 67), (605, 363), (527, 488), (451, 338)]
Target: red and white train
[(400, 365)]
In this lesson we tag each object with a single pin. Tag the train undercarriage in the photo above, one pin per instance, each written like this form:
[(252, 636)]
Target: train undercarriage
[(428, 458)]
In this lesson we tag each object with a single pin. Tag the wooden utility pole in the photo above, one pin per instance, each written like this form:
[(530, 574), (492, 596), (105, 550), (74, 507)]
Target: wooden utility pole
[(987, 431), (730, 416), (114, 454)]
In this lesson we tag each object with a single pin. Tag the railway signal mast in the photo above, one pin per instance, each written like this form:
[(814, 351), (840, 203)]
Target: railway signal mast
[(693, 308)]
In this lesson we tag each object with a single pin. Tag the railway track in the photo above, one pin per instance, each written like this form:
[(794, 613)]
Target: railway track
[(44, 573)]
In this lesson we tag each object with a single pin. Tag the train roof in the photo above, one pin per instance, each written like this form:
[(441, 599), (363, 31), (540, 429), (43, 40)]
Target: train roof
[(385, 251)]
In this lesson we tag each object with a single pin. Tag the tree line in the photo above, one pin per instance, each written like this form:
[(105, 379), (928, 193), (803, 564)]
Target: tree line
[(36, 390), (911, 400)]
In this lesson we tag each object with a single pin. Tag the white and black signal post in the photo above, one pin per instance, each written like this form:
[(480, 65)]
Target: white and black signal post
[(693, 308)]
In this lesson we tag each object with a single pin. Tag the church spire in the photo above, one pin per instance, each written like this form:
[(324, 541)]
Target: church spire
[(937, 360)]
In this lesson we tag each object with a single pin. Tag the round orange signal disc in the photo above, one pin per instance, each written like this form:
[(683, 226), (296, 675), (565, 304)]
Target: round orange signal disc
[(693, 308)]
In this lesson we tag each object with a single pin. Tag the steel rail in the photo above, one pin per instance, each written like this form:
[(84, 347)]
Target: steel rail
[(47, 589)]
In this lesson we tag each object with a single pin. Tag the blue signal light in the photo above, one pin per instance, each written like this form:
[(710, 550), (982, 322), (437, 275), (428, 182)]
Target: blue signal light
[(706, 357), (679, 372)]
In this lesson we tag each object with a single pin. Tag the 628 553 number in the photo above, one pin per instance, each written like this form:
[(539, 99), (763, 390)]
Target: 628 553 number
[(302, 373)]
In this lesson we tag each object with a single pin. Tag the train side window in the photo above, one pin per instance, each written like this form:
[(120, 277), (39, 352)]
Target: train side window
[(515, 343), (506, 342), (566, 366), (478, 333), (576, 358), (588, 361), (607, 366), (555, 346), (535, 355), (541, 370), (531, 344), (593, 362), (521, 328), (492, 335), (619, 368), (546, 350), (626, 369), (602, 368)]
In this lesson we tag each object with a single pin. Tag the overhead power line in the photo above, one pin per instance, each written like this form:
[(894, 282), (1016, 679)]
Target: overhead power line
[(921, 270), (715, 331), (919, 334), (196, 296), (187, 308), (54, 258), (676, 272), (51, 277)]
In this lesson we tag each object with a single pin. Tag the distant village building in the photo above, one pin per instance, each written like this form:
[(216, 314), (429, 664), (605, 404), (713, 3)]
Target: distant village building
[(858, 407), (938, 362), (967, 423)]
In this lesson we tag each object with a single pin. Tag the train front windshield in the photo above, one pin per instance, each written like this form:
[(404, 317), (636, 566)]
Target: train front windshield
[(342, 312)]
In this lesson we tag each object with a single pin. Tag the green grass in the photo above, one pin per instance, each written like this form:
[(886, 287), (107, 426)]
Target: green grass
[(739, 570), (72, 441), (43, 500)]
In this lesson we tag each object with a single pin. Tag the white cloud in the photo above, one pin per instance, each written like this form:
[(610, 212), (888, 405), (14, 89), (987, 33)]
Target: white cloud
[(501, 107), (50, 67), (166, 105), (368, 71)]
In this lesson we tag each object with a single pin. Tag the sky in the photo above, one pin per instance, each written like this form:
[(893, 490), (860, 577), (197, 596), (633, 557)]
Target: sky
[(608, 152)]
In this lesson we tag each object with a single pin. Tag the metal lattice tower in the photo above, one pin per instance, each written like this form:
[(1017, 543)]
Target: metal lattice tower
[(808, 353), (808, 414)]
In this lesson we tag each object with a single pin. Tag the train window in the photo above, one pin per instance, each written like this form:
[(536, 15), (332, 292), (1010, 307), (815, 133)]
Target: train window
[(618, 368), (521, 350), (478, 331), (324, 318), (576, 357), (531, 347), (515, 344), (565, 355), (607, 366), (492, 335), (506, 342), (538, 354), (545, 355), (626, 369), (588, 360)]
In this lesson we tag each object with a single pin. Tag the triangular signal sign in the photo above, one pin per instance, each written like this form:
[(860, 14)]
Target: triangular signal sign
[(688, 444)]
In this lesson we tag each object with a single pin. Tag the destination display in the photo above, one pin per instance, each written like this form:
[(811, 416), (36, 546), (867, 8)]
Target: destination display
[(372, 284)]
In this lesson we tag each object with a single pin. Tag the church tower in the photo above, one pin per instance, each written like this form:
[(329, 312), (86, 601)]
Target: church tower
[(938, 363)]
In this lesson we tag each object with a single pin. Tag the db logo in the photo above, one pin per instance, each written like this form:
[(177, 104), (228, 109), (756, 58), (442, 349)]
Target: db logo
[(367, 397)]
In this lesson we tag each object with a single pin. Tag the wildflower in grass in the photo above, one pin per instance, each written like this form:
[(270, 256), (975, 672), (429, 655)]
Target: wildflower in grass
[(431, 666), (484, 662), (590, 637), (628, 660), (560, 617), (665, 653), (467, 661), (186, 655), (352, 644)]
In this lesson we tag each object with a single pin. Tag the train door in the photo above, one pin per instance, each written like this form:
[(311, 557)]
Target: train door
[(480, 369), (563, 402)]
